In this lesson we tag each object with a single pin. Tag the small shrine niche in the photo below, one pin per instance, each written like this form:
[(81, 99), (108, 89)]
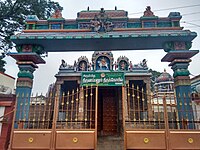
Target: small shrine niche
[(102, 60), (123, 63), (56, 21), (83, 64)]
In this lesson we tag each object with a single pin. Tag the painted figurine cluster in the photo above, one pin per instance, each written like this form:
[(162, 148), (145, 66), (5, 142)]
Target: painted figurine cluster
[(103, 60)]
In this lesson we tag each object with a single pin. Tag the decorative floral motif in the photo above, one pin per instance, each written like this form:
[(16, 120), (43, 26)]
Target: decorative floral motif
[(101, 22)]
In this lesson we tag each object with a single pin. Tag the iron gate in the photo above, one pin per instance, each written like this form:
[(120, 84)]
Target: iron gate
[(151, 121), (71, 116)]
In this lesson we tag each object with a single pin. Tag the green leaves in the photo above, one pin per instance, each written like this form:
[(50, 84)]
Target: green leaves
[(13, 14)]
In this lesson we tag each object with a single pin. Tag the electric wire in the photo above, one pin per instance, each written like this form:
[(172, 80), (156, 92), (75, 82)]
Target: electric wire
[(191, 13), (191, 23), (169, 8)]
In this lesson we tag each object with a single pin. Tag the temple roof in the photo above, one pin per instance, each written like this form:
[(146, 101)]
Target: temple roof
[(114, 40), (110, 13), (103, 30), (164, 77)]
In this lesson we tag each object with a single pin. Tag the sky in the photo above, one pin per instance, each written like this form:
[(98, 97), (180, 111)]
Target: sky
[(45, 74)]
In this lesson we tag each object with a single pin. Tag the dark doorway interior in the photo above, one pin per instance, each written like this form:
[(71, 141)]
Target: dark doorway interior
[(109, 111)]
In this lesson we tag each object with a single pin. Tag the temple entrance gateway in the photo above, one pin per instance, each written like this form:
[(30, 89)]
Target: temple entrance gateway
[(104, 100), (109, 111)]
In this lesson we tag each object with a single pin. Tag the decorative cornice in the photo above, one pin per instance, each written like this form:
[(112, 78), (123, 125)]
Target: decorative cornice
[(30, 48), (180, 61), (24, 82), (26, 57), (176, 45), (182, 81), (179, 54)]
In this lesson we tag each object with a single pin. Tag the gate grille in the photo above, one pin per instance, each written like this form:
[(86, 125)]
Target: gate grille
[(152, 111), (77, 109)]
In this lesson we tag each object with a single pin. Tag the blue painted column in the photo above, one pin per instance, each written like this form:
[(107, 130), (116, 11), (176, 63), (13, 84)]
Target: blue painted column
[(27, 58), (23, 92), (179, 55), (183, 94)]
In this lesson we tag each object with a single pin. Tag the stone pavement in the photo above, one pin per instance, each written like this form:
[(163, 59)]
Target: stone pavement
[(110, 143)]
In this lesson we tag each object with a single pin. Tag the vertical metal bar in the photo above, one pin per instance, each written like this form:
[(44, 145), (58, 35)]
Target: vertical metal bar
[(128, 100), (158, 107), (67, 110), (191, 112), (30, 113), (166, 123), (134, 107), (181, 112), (96, 116), (39, 113), (153, 105), (25, 110), (86, 111), (62, 108), (77, 102), (176, 110), (43, 116), (55, 116), (72, 109), (34, 110), (91, 94), (148, 109), (49, 110), (186, 121), (143, 110), (168, 96), (20, 111), (138, 101), (81, 107)]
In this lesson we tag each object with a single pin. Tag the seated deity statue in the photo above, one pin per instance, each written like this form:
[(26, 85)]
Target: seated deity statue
[(103, 65), (63, 64)]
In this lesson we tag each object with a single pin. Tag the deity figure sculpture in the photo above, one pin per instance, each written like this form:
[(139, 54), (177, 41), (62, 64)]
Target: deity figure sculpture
[(123, 65), (130, 66), (102, 63), (63, 64), (82, 66), (75, 66), (57, 14), (148, 12)]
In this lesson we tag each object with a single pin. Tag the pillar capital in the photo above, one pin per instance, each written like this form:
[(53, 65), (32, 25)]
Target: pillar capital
[(176, 45), (27, 62), (30, 48), (179, 61)]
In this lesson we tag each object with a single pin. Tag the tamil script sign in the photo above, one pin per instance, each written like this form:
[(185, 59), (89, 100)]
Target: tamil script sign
[(102, 78)]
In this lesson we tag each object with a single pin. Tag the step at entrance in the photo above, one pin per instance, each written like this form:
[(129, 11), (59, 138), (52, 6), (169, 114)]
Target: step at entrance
[(110, 143)]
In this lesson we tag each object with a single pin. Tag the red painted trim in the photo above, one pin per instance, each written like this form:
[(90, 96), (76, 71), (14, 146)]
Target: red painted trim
[(7, 75), (88, 30), (5, 103)]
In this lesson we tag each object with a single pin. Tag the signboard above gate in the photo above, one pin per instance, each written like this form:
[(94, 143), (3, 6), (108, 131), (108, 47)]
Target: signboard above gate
[(102, 78)]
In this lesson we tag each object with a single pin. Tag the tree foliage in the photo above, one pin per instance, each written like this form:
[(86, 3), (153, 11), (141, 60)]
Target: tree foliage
[(13, 14), (155, 75), (2, 64)]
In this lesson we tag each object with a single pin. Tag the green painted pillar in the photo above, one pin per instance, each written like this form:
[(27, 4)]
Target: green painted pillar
[(179, 55), (27, 58)]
